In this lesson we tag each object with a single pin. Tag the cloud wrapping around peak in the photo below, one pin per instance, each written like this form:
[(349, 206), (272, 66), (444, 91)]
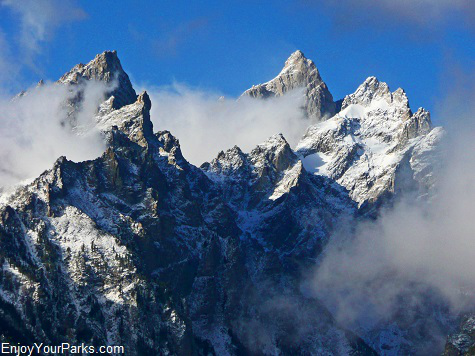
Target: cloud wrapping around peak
[(206, 123), (36, 130), (414, 265)]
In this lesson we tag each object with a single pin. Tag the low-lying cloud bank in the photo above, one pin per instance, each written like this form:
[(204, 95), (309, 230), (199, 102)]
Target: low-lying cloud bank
[(206, 123), (35, 130), (418, 255)]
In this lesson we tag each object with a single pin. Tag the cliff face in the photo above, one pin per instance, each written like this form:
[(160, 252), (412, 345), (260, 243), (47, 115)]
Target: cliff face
[(140, 248), (375, 145), (299, 73)]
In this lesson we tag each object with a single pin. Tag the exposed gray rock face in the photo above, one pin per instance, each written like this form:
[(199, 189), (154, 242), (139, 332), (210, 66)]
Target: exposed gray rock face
[(133, 120), (299, 72), (105, 68), (269, 184), (419, 124), (140, 248), (375, 145), (463, 341)]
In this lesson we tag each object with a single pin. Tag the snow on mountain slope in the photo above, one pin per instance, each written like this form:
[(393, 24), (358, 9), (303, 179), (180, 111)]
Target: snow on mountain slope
[(374, 145), (140, 248), (270, 184), (299, 72)]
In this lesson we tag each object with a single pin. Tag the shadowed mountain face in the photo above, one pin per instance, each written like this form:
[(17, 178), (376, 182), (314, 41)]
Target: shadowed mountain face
[(142, 249)]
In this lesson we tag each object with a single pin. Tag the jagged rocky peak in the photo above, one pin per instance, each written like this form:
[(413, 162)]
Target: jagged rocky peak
[(275, 151), (299, 72), (227, 163), (133, 120), (373, 97), (105, 67), (169, 146), (144, 99), (273, 155), (419, 124), (462, 342), (373, 90), (370, 142), (268, 172)]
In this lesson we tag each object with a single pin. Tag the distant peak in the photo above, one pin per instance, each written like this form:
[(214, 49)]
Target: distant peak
[(109, 58), (273, 143), (373, 84), (276, 139), (373, 88), (297, 55), (276, 151), (368, 91), (299, 72), (371, 79), (297, 60), (105, 67), (106, 62)]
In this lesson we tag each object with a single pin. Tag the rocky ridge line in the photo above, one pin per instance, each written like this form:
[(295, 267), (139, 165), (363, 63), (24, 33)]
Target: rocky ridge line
[(299, 73)]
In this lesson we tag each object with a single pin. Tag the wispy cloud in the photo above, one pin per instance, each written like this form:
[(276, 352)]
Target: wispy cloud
[(418, 256), (39, 19), (169, 38), (424, 14), (206, 123), (424, 11), (9, 68), (37, 23), (170, 41), (35, 130)]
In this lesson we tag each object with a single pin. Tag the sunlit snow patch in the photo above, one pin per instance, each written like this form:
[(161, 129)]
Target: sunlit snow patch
[(316, 163)]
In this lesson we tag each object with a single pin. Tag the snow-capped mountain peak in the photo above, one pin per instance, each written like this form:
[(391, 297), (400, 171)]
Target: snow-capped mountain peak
[(140, 248), (367, 142)]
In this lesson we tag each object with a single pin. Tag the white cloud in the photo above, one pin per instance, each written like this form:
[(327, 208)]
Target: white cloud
[(34, 131), (39, 19), (206, 124), (416, 252)]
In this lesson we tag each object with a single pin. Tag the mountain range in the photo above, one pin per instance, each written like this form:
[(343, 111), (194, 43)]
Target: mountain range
[(141, 248)]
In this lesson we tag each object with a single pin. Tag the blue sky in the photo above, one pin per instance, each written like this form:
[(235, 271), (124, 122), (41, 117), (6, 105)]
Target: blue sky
[(228, 46)]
